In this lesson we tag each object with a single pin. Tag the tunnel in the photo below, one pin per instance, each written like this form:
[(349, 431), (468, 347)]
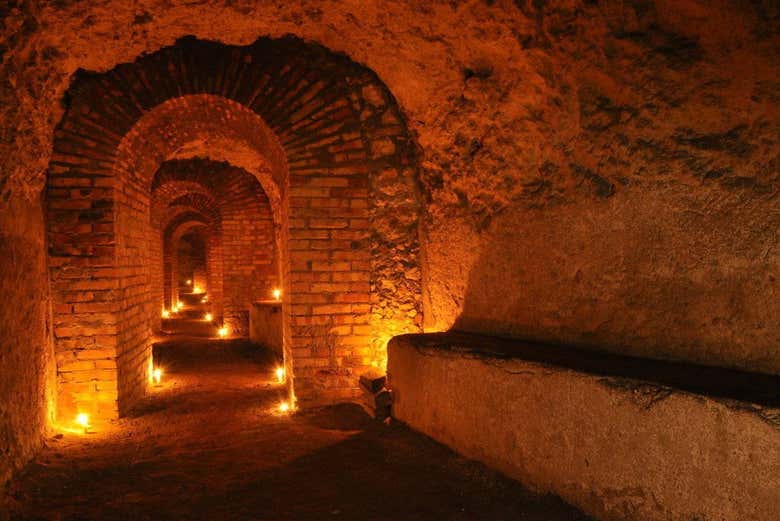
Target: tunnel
[(491, 259)]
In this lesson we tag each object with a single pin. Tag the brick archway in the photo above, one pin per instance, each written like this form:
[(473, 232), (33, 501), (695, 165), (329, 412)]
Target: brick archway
[(246, 235), (323, 137)]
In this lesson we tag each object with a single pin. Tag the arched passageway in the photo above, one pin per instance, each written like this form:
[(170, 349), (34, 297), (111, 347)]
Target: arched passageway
[(282, 144), (242, 247)]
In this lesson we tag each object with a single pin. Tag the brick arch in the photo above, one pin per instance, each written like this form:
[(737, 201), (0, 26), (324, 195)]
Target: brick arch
[(183, 224), (249, 237), (166, 194), (202, 126), (196, 260), (312, 126), (204, 202), (201, 211)]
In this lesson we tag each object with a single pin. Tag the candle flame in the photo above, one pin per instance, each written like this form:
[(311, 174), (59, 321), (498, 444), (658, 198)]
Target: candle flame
[(284, 407), (280, 374), (82, 419), (166, 313), (208, 317), (157, 375), (223, 331), (189, 282), (277, 293)]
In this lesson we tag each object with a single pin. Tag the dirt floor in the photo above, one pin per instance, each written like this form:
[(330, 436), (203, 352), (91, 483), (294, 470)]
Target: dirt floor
[(209, 443)]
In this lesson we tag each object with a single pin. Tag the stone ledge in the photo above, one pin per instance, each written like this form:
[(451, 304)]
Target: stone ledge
[(622, 438), (753, 390), (268, 303)]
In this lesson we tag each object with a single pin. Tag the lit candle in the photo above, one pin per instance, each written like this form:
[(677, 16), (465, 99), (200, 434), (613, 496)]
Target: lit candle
[(189, 282), (208, 317), (277, 293), (223, 331), (82, 419), (157, 375), (280, 374), (166, 313), (284, 407)]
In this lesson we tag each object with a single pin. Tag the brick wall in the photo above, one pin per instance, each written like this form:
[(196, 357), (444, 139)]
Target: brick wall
[(191, 254), (163, 211), (325, 141), (242, 215)]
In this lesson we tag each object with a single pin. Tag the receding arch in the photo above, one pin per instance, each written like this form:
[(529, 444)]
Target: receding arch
[(203, 126), (324, 138)]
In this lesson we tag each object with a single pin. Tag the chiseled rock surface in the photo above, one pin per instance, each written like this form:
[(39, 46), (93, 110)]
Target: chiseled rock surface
[(620, 449), (596, 173)]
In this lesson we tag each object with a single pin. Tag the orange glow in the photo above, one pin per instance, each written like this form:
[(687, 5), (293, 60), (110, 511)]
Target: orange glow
[(208, 317), (157, 375), (223, 331), (280, 374), (284, 407), (277, 293), (166, 313), (197, 289), (189, 282), (179, 305), (82, 420), (204, 299)]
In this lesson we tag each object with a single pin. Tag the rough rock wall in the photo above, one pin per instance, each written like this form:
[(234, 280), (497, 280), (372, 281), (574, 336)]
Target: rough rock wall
[(611, 157), (26, 358), (622, 193), (557, 137)]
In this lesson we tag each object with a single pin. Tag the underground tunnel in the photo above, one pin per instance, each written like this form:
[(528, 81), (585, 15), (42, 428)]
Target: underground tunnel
[(363, 260)]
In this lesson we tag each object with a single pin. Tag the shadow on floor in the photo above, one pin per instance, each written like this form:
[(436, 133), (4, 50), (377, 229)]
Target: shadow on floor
[(209, 445)]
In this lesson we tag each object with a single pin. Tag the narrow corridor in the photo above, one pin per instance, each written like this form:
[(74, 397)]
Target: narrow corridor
[(210, 443)]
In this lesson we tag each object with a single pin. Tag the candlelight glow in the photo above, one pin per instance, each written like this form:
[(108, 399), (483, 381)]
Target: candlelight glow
[(284, 407), (280, 374), (189, 282), (179, 305), (277, 293), (197, 289), (157, 375), (223, 331), (166, 313), (82, 419), (204, 299), (208, 317)]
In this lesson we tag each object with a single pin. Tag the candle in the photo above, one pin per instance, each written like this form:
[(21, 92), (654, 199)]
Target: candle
[(82, 419)]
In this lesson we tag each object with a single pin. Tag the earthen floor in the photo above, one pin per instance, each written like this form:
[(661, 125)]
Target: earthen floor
[(209, 444)]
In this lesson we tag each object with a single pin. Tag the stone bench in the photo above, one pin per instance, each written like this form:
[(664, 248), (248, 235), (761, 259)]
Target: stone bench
[(622, 438)]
